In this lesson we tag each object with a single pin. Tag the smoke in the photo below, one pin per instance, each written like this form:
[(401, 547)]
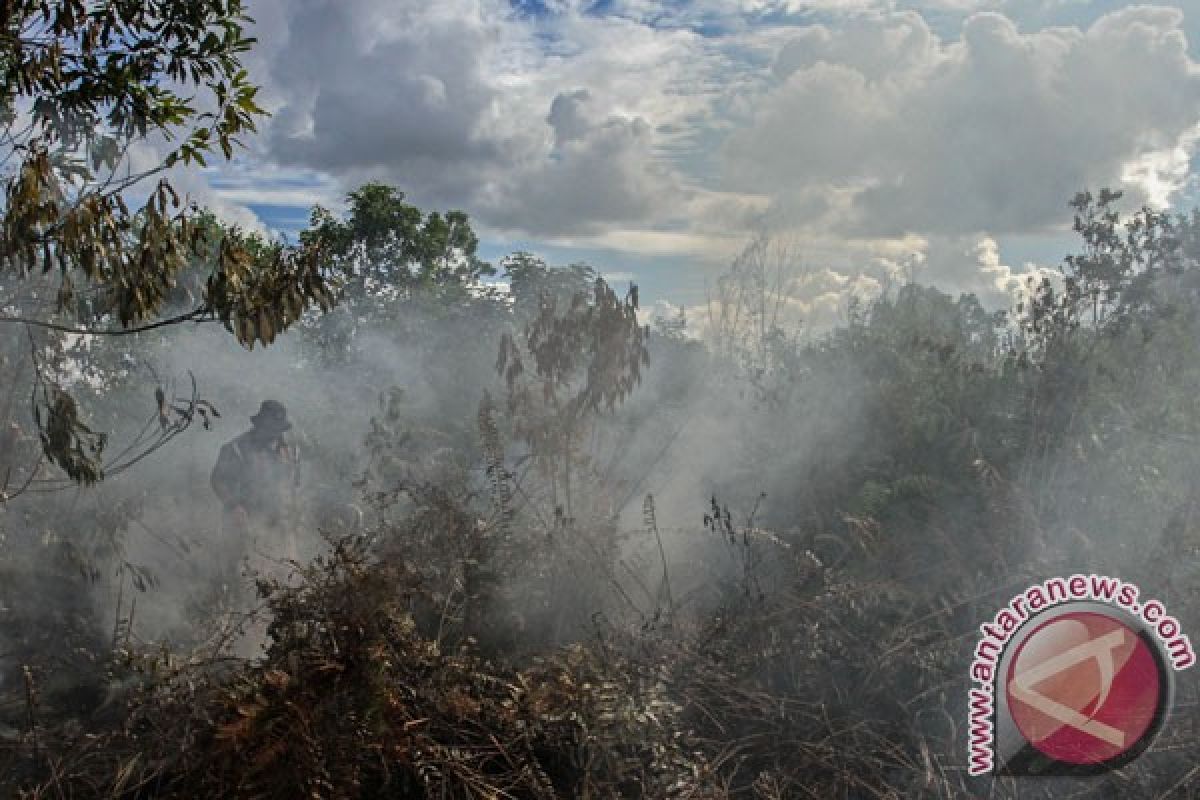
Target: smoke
[(161, 516), (858, 448)]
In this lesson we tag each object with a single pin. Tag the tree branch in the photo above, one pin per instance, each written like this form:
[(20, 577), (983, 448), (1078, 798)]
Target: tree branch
[(195, 315)]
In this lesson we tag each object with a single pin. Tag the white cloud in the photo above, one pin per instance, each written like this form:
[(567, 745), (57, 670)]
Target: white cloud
[(1159, 174), (675, 130), (708, 248), (598, 171), (971, 264), (558, 126), (992, 133), (399, 87)]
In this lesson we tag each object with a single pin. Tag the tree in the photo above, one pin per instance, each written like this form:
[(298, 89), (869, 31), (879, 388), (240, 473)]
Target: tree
[(585, 355), (81, 85), (748, 313), (397, 266), (386, 243), (531, 281)]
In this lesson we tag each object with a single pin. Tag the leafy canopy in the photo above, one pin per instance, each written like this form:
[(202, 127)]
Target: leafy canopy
[(82, 83), (385, 242)]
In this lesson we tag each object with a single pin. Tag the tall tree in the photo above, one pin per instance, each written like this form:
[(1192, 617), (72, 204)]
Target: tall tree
[(399, 268), (385, 243)]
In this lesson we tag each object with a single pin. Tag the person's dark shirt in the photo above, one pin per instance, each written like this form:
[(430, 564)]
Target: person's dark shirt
[(256, 472)]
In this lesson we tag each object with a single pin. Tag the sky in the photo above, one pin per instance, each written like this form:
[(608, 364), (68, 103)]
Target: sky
[(652, 140)]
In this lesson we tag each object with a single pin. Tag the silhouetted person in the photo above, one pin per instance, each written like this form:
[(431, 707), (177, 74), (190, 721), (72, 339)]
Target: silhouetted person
[(255, 478), (255, 474)]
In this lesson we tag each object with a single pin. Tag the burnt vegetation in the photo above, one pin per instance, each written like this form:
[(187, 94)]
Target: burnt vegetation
[(518, 612), (548, 550)]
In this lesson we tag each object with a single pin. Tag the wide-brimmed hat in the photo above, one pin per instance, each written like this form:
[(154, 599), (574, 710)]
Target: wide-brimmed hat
[(272, 417)]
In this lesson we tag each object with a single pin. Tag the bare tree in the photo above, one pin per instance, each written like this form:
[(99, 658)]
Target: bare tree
[(749, 305)]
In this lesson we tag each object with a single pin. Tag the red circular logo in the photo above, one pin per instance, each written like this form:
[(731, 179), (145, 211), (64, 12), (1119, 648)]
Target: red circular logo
[(1085, 688)]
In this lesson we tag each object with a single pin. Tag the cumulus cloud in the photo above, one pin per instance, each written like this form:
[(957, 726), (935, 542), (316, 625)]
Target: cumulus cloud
[(399, 87), (897, 47), (541, 127), (972, 265), (599, 171), (990, 133), (674, 130)]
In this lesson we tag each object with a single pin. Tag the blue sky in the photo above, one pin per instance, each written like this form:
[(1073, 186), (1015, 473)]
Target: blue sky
[(653, 139)]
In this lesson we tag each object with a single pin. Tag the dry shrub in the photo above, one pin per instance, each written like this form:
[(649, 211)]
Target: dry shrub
[(350, 701)]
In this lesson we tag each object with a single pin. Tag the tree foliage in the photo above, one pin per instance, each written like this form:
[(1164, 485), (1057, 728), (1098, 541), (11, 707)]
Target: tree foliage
[(386, 246), (580, 354), (87, 88), (83, 83)]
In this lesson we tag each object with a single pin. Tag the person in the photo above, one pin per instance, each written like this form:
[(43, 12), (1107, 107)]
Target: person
[(255, 478)]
